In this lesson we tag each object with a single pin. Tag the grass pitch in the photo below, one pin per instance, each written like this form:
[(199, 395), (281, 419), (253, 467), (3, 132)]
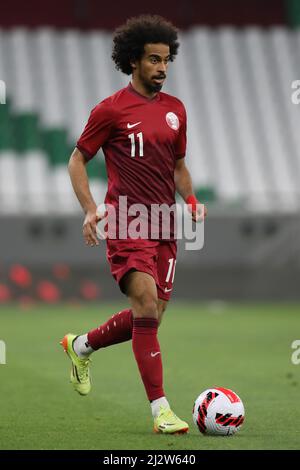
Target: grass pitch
[(243, 347)]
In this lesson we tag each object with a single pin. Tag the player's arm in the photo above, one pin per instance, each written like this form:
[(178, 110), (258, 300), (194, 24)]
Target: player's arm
[(183, 180), (184, 187), (95, 134), (80, 183)]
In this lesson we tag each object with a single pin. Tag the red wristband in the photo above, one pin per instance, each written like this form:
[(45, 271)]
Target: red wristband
[(193, 201)]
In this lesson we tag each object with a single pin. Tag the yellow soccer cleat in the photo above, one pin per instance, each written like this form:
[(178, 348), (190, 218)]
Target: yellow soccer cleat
[(80, 372), (168, 423)]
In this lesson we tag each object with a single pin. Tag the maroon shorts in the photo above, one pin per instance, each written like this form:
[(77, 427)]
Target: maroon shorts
[(157, 258)]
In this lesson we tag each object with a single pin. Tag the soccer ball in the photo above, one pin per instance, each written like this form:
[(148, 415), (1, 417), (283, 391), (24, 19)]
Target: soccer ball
[(218, 411)]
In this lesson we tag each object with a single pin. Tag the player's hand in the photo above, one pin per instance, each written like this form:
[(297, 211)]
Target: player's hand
[(197, 210), (200, 213), (89, 228), (102, 222)]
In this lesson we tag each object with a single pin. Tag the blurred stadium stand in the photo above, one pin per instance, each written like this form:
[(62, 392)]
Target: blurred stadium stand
[(243, 134), (243, 147), (94, 14)]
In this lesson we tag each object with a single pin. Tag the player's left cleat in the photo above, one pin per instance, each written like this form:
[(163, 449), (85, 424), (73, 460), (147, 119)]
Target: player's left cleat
[(168, 423), (80, 372)]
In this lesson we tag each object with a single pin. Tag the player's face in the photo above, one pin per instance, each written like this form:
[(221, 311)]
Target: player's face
[(152, 68)]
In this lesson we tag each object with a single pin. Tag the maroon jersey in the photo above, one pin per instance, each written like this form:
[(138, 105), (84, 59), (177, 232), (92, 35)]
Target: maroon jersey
[(141, 139)]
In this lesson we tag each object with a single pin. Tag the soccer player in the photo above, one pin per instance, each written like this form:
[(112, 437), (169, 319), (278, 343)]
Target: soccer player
[(142, 132)]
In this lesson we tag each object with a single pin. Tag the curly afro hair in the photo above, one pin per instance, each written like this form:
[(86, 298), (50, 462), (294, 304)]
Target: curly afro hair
[(129, 39)]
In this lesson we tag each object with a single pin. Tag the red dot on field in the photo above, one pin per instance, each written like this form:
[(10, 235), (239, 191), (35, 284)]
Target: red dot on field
[(20, 275), (89, 290), (61, 271), (48, 292), (5, 293)]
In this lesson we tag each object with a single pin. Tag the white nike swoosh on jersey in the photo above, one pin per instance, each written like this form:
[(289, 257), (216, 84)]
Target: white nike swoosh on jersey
[(168, 290), (154, 354), (133, 125)]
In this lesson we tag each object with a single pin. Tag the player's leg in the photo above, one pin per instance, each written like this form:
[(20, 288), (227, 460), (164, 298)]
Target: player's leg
[(161, 306), (117, 329), (142, 294), (141, 290), (124, 257), (166, 261)]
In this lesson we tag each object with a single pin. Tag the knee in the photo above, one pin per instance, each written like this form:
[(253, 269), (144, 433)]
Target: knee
[(146, 307)]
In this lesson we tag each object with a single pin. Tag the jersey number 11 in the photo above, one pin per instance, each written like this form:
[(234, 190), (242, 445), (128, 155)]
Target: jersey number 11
[(141, 144)]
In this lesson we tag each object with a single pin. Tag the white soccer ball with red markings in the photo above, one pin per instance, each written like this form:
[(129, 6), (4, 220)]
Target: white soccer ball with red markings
[(218, 411)]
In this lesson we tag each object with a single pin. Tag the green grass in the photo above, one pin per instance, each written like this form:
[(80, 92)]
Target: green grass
[(243, 347)]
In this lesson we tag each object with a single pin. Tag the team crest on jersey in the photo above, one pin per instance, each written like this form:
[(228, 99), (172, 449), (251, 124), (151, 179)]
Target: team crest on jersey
[(172, 121)]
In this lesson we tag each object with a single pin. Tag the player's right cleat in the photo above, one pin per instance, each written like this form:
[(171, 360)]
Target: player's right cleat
[(168, 423), (80, 372)]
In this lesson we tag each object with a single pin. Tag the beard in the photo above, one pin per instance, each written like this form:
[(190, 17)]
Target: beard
[(155, 87), (150, 86)]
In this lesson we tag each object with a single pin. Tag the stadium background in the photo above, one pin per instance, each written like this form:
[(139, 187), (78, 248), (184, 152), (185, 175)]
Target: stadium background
[(234, 72)]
